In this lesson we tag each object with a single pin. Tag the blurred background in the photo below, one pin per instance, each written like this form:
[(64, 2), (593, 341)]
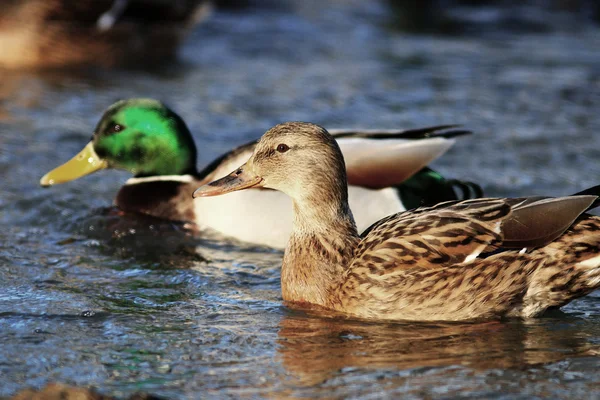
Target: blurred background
[(90, 300)]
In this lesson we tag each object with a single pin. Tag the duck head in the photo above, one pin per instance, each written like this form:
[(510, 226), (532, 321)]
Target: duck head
[(299, 159), (142, 136)]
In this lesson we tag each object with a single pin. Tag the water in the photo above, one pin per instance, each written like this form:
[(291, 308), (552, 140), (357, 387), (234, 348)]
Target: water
[(89, 297)]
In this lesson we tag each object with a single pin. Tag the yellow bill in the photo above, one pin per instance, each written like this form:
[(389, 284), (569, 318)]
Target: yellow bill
[(84, 163)]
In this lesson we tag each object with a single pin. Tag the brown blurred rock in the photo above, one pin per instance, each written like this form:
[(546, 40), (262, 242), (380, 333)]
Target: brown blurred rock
[(59, 391)]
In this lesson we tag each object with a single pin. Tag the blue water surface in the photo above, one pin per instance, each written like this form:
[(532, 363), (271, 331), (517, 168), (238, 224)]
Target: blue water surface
[(92, 298)]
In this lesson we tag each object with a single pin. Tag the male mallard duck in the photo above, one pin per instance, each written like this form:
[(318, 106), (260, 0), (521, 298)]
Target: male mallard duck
[(58, 33), (147, 138), (457, 260)]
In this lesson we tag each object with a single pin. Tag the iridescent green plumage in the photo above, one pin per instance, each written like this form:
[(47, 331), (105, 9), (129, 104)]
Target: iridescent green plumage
[(146, 138)]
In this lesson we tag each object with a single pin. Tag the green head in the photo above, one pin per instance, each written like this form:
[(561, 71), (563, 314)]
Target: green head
[(142, 136), (145, 137)]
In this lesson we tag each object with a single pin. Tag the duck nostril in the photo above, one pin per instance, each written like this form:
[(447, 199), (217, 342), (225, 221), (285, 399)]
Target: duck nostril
[(238, 172)]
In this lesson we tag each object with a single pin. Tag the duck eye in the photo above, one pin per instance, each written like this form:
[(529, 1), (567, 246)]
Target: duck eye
[(282, 148), (115, 128)]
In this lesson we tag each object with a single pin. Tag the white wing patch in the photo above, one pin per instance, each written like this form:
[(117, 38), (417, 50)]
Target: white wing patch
[(474, 254)]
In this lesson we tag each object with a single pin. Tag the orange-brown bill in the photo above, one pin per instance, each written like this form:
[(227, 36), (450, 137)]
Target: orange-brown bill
[(237, 180)]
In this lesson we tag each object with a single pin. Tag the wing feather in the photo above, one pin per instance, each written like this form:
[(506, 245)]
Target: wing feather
[(458, 232), (380, 163), (442, 235)]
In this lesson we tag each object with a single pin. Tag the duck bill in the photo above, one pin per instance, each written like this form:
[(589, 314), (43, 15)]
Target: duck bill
[(84, 163), (239, 179)]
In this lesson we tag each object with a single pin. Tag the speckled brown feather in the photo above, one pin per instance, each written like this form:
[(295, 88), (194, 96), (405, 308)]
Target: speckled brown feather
[(412, 266)]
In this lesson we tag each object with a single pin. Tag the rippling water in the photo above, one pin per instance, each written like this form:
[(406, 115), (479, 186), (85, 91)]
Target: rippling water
[(89, 297)]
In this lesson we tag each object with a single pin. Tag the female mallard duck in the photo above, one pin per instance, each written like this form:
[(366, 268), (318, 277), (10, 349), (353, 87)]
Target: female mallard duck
[(148, 139), (58, 33), (462, 260)]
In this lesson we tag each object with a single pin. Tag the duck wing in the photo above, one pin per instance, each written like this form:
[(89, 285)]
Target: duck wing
[(458, 232), (381, 158)]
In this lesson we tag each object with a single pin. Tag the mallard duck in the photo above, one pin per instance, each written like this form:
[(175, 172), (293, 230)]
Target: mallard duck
[(59, 33), (460, 260), (145, 137)]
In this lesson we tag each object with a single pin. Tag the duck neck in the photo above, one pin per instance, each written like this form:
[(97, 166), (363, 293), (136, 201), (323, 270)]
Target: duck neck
[(320, 249)]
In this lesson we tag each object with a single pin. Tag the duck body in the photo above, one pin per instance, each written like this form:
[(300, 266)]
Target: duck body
[(389, 173), (108, 33), (458, 260), (437, 264)]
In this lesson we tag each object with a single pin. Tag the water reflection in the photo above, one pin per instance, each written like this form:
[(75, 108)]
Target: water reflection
[(314, 350)]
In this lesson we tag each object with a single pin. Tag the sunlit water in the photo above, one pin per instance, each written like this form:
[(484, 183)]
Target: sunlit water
[(90, 297)]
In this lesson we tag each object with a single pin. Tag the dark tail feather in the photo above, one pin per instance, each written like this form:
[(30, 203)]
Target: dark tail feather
[(469, 190), (443, 131)]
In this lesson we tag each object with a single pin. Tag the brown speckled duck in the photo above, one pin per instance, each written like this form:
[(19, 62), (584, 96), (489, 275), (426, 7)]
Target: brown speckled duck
[(461, 260)]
